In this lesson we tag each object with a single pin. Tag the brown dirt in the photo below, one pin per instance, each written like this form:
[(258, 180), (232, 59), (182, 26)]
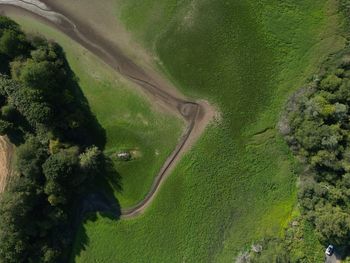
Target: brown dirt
[(102, 19), (196, 114), (6, 151)]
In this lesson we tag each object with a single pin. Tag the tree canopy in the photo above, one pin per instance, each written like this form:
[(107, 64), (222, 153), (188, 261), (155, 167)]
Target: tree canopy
[(318, 131), (44, 113)]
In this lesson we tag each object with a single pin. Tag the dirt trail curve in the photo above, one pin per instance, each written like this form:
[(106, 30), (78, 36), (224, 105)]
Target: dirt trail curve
[(196, 114)]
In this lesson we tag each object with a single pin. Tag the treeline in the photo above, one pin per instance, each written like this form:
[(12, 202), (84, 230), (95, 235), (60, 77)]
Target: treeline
[(43, 112), (317, 128)]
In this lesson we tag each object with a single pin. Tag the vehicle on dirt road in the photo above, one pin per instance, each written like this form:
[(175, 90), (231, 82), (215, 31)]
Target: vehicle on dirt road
[(330, 250)]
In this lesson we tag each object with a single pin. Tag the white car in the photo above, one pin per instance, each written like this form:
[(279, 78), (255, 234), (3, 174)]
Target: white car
[(330, 250)]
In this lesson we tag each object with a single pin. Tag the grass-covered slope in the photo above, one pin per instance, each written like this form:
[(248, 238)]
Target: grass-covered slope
[(237, 184), (129, 119)]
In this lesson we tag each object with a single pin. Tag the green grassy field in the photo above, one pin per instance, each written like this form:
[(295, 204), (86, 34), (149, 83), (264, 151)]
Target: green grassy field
[(129, 119), (237, 184)]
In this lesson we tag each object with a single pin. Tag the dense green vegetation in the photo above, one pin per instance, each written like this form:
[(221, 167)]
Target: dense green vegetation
[(314, 116), (130, 120), (44, 114), (237, 184), (318, 132), (298, 244)]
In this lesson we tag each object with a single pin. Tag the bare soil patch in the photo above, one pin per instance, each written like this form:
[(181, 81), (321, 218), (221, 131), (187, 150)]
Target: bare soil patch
[(6, 152)]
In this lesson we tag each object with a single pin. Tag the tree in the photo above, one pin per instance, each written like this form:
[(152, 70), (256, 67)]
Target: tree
[(13, 43), (7, 23), (60, 170), (60, 166), (31, 105), (39, 75), (9, 113), (51, 255), (333, 225), (330, 82), (90, 160), (5, 127), (16, 209), (30, 157)]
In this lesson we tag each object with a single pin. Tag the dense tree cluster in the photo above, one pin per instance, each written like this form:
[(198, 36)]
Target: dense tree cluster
[(317, 128), (43, 113)]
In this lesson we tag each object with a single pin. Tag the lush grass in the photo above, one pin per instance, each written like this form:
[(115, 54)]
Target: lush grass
[(130, 121), (237, 185), (148, 18)]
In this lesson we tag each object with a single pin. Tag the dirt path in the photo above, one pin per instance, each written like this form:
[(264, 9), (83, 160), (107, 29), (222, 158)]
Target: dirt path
[(197, 114), (6, 150), (332, 259)]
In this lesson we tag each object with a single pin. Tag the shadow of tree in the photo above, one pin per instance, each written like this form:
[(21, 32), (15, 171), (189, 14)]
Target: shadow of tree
[(4, 62), (99, 197), (91, 132), (82, 239), (71, 123), (342, 253)]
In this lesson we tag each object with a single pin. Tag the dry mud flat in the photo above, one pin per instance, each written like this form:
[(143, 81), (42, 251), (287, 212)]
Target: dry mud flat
[(197, 114), (6, 151)]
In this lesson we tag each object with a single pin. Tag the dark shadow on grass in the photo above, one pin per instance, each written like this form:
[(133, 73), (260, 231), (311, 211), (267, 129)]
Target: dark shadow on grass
[(341, 253), (82, 239), (74, 123), (70, 121), (99, 200), (90, 132), (99, 195)]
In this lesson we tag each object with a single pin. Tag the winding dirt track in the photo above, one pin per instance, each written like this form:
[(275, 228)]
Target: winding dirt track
[(196, 114)]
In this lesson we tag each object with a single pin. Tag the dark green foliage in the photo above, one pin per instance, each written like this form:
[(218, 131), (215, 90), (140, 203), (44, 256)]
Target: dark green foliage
[(30, 156), (41, 104), (318, 130), (90, 159), (13, 43), (8, 112), (43, 90), (32, 105), (15, 209), (345, 7), (60, 170), (60, 166), (6, 24), (5, 127)]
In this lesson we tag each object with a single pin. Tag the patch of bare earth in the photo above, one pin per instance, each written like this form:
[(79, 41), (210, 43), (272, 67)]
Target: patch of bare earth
[(6, 152)]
